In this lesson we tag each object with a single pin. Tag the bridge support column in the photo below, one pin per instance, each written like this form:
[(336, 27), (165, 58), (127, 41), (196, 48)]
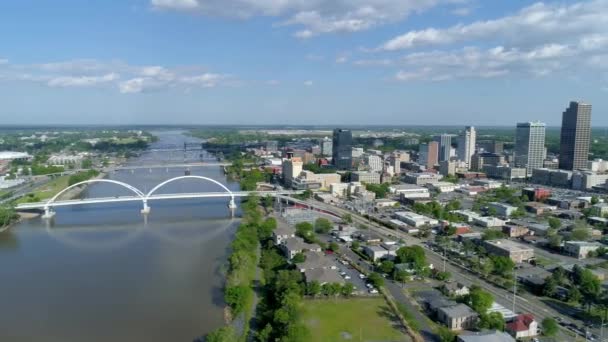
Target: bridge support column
[(231, 204), (48, 213), (146, 209)]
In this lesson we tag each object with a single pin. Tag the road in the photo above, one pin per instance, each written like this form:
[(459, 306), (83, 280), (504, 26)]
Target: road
[(525, 303)]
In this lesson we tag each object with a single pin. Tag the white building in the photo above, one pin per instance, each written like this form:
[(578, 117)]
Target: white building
[(580, 249), (597, 165), (357, 152), (409, 191), (488, 221), (444, 186), (415, 220), (365, 177), (375, 163), (466, 144), (502, 209), (292, 169)]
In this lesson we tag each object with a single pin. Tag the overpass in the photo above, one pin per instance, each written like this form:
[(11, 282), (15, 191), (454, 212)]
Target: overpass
[(139, 196)]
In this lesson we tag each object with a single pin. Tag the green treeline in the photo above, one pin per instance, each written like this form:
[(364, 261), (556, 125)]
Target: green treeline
[(82, 176)]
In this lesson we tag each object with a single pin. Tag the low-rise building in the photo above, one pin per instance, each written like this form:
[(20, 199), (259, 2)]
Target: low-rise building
[(538, 208), (523, 326), (323, 276), (410, 191), (415, 220), (485, 336), (514, 230), (513, 250), (444, 187), (488, 221), (294, 245), (467, 215), (385, 203), (457, 317), (580, 249), (455, 289), (505, 172), (283, 232), (316, 260), (503, 209), (422, 178), (366, 177), (488, 183), (376, 252), (600, 209), (536, 194), (586, 180), (558, 178)]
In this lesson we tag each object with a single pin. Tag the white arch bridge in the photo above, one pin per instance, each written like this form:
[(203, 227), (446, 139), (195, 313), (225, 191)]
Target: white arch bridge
[(144, 198)]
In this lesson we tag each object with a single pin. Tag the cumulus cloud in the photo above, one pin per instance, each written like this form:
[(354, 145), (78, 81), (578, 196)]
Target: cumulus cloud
[(308, 83), (82, 81), (312, 17), (530, 26), (125, 77)]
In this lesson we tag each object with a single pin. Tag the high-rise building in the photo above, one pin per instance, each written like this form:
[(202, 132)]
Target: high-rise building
[(326, 147), (575, 136), (466, 144), (530, 145), (428, 154), (342, 149), (292, 168), (491, 146), (445, 146), (375, 163)]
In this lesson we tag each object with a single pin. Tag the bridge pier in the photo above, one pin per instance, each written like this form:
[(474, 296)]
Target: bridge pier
[(145, 210), (48, 213), (231, 204)]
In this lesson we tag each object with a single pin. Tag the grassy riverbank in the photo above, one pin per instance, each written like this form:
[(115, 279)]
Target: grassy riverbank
[(54, 186)]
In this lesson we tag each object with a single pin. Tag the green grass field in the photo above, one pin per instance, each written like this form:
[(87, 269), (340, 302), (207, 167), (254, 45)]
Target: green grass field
[(356, 319), (46, 191)]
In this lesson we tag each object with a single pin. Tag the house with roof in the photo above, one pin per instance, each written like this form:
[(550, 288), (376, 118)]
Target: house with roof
[(485, 336), (283, 232), (523, 326), (457, 317), (316, 260), (455, 289), (294, 245), (323, 276)]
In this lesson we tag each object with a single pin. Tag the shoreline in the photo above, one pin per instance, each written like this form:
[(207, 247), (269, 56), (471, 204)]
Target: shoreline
[(71, 194)]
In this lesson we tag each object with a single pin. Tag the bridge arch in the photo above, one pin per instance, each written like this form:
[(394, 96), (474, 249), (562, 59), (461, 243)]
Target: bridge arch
[(135, 190), (153, 190)]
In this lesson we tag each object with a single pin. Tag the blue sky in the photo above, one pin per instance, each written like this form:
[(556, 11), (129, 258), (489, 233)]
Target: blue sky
[(461, 62)]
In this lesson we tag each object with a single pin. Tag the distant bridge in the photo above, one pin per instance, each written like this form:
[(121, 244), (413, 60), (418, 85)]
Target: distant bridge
[(151, 195)]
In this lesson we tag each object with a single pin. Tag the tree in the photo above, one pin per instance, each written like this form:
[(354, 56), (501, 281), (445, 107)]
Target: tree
[(443, 276), (298, 258), (580, 234), (267, 227), (555, 241), (305, 231), (590, 287), (347, 218), (223, 334), (86, 163), (491, 234), (493, 320), (518, 213), (376, 279), (236, 297), (334, 247), (574, 295), (347, 289), (387, 266), (487, 267), (594, 200), (550, 287), (267, 202), (414, 255), (323, 225), (503, 266), (445, 334), (479, 300), (555, 223), (549, 326), (264, 334), (355, 245), (313, 288)]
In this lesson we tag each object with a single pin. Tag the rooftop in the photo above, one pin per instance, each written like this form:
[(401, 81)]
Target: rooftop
[(458, 310), (508, 245), (486, 336), (323, 275)]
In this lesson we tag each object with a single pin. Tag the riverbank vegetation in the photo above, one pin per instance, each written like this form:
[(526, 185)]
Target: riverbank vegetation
[(7, 216), (53, 187), (82, 176)]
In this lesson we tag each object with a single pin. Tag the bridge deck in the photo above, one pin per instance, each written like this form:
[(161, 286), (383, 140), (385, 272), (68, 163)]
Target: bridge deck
[(119, 199)]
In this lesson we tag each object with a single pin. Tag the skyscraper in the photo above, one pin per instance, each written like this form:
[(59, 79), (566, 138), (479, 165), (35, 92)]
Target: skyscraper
[(342, 149), (575, 136), (466, 145), (445, 145), (428, 154), (530, 145)]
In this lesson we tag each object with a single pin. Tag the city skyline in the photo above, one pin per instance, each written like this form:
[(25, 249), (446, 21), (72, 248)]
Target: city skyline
[(292, 62)]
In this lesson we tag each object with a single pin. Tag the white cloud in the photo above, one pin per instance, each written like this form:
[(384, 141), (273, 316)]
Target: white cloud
[(532, 25), (3, 61), (314, 57), (273, 82), (462, 11), (127, 78), (313, 17), (341, 59), (308, 83), (82, 81)]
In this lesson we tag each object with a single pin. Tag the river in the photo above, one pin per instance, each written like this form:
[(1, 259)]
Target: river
[(103, 273)]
